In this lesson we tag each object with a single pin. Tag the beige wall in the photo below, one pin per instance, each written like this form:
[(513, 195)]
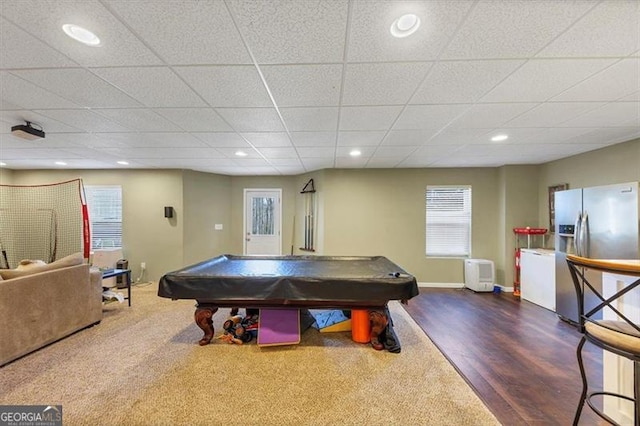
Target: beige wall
[(382, 212), (147, 235), (6, 176), (519, 204), (207, 202), (359, 212)]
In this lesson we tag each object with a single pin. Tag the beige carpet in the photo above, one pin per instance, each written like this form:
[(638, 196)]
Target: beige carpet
[(142, 366)]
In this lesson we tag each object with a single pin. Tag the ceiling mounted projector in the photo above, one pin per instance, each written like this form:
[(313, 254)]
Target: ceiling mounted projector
[(26, 131)]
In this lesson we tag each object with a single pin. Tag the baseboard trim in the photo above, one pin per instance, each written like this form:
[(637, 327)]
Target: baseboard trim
[(441, 285), (459, 285)]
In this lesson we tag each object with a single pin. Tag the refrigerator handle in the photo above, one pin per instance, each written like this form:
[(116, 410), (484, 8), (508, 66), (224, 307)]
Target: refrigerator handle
[(576, 235), (584, 236)]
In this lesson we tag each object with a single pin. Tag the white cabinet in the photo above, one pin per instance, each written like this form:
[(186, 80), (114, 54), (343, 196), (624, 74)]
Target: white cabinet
[(538, 277)]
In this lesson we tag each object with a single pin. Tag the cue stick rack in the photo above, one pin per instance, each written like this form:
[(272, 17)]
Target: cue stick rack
[(309, 194)]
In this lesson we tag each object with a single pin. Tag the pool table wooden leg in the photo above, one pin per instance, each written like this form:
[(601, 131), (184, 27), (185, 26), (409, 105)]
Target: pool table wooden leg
[(203, 319)]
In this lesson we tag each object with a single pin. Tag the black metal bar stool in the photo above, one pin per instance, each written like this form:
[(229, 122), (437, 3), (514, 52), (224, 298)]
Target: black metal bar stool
[(621, 336)]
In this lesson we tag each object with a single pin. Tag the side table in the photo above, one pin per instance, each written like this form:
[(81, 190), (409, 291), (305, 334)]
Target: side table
[(127, 278)]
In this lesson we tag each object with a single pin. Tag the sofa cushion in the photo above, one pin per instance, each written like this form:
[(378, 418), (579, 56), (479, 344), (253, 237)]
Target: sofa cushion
[(71, 260)]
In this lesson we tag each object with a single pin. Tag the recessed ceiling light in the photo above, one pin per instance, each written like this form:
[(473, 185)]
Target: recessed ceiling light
[(355, 153), (241, 154), (81, 34), (500, 138), (61, 163), (405, 25), (124, 163)]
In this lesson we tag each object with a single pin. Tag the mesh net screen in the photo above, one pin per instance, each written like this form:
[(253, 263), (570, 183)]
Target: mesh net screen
[(43, 222)]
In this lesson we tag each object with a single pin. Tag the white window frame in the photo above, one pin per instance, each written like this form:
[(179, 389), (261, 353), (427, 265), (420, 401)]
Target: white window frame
[(104, 203), (448, 221)]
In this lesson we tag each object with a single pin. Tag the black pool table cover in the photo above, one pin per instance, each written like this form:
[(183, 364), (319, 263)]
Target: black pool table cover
[(290, 280)]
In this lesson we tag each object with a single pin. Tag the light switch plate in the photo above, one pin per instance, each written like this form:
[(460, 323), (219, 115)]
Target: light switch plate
[(218, 227)]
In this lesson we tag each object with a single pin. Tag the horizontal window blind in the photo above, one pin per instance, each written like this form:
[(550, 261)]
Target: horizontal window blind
[(105, 215), (448, 221)]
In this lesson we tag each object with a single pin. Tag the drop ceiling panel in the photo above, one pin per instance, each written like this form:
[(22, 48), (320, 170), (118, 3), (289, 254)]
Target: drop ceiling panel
[(39, 153), (231, 152), (194, 119), (142, 85), (605, 137), (596, 35), (149, 140), (181, 32), (278, 153), (416, 117), (360, 138), (19, 49), (227, 86), (83, 119), (368, 118), (345, 151), (222, 139), (304, 85), (394, 151), (518, 135), (490, 115), (252, 119), (118, 45), (285, 32), (313, 138), (189, 163), (551, 114), (79, 86), (609, 115), (370, 38), (27, 95), (619, 80), (142, 119), (54, 140), (513, 29), (187, 75), (559, 135), (310, 119), (285, 162), (144, 153), (382, 84), (252, 162), (351, 162), (462, 81), (268, 139), (316, 152), (408, 137), (542, 79)]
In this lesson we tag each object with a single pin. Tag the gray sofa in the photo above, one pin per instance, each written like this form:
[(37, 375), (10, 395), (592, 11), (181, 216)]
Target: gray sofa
[(46, 303)]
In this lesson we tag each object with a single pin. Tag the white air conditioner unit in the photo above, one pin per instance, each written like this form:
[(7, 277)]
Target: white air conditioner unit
[(479, 274)]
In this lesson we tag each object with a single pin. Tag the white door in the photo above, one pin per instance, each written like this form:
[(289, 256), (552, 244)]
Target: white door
[(262, 221)]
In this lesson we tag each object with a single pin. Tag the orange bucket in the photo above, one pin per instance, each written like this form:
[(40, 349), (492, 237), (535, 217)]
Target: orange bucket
[(360, 326)]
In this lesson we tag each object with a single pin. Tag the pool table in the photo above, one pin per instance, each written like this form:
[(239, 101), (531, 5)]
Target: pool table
[(337, 282)]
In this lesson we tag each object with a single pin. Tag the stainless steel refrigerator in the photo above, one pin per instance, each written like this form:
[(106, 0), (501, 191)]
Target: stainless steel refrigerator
[(600, 222)]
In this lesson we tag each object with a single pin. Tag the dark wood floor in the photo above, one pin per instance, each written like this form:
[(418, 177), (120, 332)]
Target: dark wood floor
[(520, 358)]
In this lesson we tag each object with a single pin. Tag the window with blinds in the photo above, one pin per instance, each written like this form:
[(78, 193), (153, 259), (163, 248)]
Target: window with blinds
[(448, 221), (105, 215)]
